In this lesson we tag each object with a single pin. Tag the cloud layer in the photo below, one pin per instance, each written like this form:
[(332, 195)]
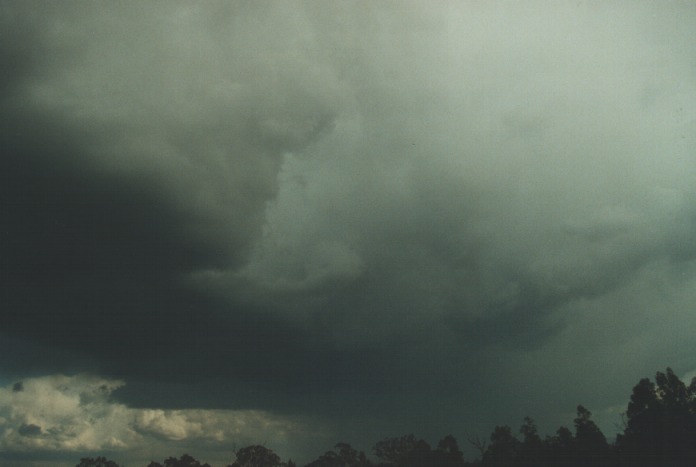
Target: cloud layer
[(343, 210), (76, 414)]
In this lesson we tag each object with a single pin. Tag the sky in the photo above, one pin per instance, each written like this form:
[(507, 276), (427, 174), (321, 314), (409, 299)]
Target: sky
[(298, 223)]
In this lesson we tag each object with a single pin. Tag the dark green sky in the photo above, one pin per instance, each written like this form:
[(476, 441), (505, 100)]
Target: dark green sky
[(307, 222)]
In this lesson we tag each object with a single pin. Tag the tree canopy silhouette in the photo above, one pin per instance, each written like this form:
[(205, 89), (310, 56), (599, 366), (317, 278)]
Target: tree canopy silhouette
[(256, 456), (660, 423), (96, 462), (184, 461), (343, 455), (659, 431)]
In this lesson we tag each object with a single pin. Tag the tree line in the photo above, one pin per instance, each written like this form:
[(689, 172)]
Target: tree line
[(659, 430)]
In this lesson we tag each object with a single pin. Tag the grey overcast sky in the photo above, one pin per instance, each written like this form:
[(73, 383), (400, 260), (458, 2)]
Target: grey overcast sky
[(298, 223)]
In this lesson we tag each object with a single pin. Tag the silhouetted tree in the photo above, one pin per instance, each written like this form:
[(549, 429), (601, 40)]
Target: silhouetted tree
[(448, 453), (406, 451), (679, 418), (531, 449), (184, 461), (591, 448), (478, 443), (659, 431), (503, 448), (256, 456), (96, 462), (559, 449), (660, 423), (641, 436), (343, 455)]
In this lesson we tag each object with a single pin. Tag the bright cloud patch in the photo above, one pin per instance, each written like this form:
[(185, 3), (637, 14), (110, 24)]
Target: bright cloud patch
[(76, 413)]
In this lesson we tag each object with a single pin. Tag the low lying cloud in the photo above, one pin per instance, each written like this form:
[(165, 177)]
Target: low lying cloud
[(77, 414)]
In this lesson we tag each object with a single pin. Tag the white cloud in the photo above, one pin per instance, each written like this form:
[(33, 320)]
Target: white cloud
[(77, 414), (66, 413)]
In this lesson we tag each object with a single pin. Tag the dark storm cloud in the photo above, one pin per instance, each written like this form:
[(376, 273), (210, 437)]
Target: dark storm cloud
[(107, 223), (344, 209), (95, 264), (104, 217)]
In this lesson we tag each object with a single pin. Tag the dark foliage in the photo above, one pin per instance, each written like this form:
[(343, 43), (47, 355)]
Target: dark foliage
[(343, 455), (96, 462), (184, 461), (256, 456), (409, 451), (660, 423), (659, 431)]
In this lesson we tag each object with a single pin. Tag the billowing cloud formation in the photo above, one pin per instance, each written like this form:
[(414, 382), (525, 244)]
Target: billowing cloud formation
[(493, 195), (76, 414), (202, 130), (345, 210), (56, 413), (128, 168)]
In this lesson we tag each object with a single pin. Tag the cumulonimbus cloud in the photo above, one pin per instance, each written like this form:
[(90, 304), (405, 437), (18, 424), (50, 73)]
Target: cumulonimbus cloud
[(310, 203)]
